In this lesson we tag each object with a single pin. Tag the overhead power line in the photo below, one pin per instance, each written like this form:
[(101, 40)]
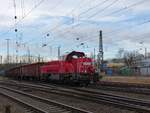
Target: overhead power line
[(58, 26), (88, 17), (133, 5), (14, 6), (60, 2), (122, 9), (13, 26), (129, 27), (69, 13), (138, 24), (37, 5), (127, 7), (57, 4), (91, 8), (94, 15), (99, 11), (114, 13), (89, 39)]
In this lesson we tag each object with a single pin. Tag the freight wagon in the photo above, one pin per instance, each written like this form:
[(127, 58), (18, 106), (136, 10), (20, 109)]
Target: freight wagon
[(28, 71)]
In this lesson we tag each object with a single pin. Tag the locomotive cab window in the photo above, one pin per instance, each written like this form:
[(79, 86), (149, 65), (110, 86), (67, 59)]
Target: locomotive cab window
[(75, 57)]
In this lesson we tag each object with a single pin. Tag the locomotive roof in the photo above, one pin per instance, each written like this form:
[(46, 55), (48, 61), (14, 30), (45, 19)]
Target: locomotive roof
[(78, 54)]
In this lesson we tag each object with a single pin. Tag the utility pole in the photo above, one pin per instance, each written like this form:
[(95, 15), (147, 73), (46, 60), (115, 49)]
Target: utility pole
[(50, 50), (100, 54), (145, 53), (94, 54), (39, 58), (145, 49), (58, 52), (29, 60), (1, 59), (8, 50)]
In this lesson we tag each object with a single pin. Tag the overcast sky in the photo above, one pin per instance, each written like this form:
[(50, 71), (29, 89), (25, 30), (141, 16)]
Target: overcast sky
[(125, 23)]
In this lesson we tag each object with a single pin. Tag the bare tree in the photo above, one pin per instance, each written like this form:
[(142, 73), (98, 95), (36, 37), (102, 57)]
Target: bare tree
[(120, 53), (130, 58)]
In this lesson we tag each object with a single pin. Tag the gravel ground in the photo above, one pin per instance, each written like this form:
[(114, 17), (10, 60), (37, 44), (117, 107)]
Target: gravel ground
[(134, 95), (15, 108), (139, 96), (90, 106), (48, 108), (127, 79), (93, 107)]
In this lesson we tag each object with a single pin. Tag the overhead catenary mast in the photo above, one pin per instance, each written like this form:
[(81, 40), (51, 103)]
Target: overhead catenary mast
[(100, 53)]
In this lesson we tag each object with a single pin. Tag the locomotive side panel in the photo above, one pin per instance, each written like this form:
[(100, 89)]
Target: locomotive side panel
[(56, 70)]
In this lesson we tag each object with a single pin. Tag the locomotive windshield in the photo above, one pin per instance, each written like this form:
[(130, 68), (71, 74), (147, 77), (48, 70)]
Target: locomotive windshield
[(74, 54)]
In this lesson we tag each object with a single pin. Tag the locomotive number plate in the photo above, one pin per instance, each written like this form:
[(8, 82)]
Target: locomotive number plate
[(86, 63)]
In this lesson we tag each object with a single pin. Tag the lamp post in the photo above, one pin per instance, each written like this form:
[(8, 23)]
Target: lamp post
[(145, 49), (8, 50)]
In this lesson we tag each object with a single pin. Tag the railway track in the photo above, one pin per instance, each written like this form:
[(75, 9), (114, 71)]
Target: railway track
[(139, 105), (128, 89), (134, 90), (121, 84), (38, 104), (119, 87)]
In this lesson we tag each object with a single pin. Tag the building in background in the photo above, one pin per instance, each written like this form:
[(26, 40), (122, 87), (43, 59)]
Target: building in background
[(143, 66)]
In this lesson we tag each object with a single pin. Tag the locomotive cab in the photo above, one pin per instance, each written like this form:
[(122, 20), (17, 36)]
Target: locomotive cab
[(83, 67)]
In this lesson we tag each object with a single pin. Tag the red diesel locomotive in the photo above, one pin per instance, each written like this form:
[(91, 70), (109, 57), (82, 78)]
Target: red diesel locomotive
[(75, 68)]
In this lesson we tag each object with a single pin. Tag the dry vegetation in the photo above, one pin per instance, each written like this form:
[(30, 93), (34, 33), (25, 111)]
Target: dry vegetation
[(7, 108), (127, 79), (14, 108)]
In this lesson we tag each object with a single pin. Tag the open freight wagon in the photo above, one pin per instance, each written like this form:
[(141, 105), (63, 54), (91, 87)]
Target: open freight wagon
[(28, 71)]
